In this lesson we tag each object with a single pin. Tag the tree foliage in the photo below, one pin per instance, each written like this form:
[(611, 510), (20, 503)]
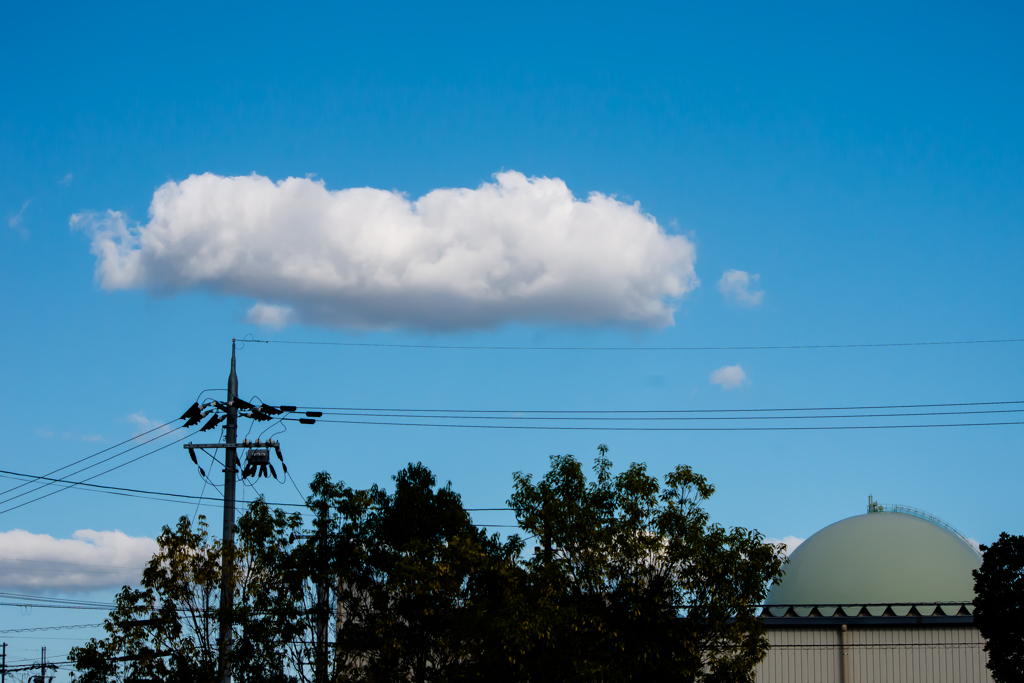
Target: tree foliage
[(999, 606), (166, 630), (632, 581), (628, 580)]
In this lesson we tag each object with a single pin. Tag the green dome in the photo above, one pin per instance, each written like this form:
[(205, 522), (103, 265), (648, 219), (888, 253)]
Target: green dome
[(879, 559)]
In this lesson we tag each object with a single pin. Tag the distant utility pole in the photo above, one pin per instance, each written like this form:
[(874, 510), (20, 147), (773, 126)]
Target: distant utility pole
[(42, 677), (323, 588), (3, 666)]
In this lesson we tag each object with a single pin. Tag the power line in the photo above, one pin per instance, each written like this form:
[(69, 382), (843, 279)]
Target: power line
[(88, 467), (661, 429), (116, 467), (88, 457), (908, 406), (121, 489), (49, 628), (634, 348), (143, 493), (156, 495), (677, 418)]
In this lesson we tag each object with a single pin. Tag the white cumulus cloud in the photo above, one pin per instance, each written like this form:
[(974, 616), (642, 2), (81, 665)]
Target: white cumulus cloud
[(729, 377), (516, 249), (735, 285), (791, 543), (86, 561)]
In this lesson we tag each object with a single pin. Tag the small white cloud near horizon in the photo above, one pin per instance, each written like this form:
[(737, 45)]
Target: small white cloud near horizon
[(144, 424), (87, 561), (269, 315), (16, 222), (729, 377), (791, 543), (735, 285), (518, 249)]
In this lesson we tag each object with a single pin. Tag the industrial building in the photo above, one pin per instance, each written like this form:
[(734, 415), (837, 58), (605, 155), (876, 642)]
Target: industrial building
[(885, 596)]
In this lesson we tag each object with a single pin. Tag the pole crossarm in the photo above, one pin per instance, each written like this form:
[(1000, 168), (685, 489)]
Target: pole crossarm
[(269, 443)]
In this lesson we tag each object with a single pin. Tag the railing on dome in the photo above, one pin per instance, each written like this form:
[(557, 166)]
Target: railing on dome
[(921, 514)]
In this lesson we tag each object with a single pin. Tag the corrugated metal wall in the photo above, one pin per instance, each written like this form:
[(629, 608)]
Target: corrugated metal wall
[(877, 654), (802, 655)]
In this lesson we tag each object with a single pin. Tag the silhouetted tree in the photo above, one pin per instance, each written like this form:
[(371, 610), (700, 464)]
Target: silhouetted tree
[(630, 581), (999, 606)]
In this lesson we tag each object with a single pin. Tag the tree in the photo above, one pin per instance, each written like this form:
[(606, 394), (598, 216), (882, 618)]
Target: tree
[(418, 596), (631, 580), (167, 630), (999, 606)]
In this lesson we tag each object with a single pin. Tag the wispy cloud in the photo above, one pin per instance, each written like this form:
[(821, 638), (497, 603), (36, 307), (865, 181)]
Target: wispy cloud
[(17, 221), (144, 424), (791, 543), (66, 180), (728, 377), (86, 561), (735, 285), (45, 433), (516, 249)]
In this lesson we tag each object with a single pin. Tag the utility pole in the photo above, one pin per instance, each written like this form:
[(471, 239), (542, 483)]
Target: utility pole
[(322, 604), (227, 585), (3, 667), (258, 456)]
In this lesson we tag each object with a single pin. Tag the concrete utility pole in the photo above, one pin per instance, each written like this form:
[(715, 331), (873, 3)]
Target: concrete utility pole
[(322, 607), (227, 585), (3, 667), (258, 457)]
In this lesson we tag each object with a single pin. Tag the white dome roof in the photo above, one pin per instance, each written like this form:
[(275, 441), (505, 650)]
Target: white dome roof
[(878, 560)]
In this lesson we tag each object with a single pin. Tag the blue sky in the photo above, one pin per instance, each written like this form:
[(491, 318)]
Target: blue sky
[(865, 162)]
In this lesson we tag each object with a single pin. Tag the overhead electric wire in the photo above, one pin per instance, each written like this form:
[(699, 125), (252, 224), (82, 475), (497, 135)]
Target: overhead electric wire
[(89, 467), (908, 406), (114, 490), (88, 457), (116, 467), (660, 429), (41, 599), (145, 494), (635, 348), (667, 418)]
